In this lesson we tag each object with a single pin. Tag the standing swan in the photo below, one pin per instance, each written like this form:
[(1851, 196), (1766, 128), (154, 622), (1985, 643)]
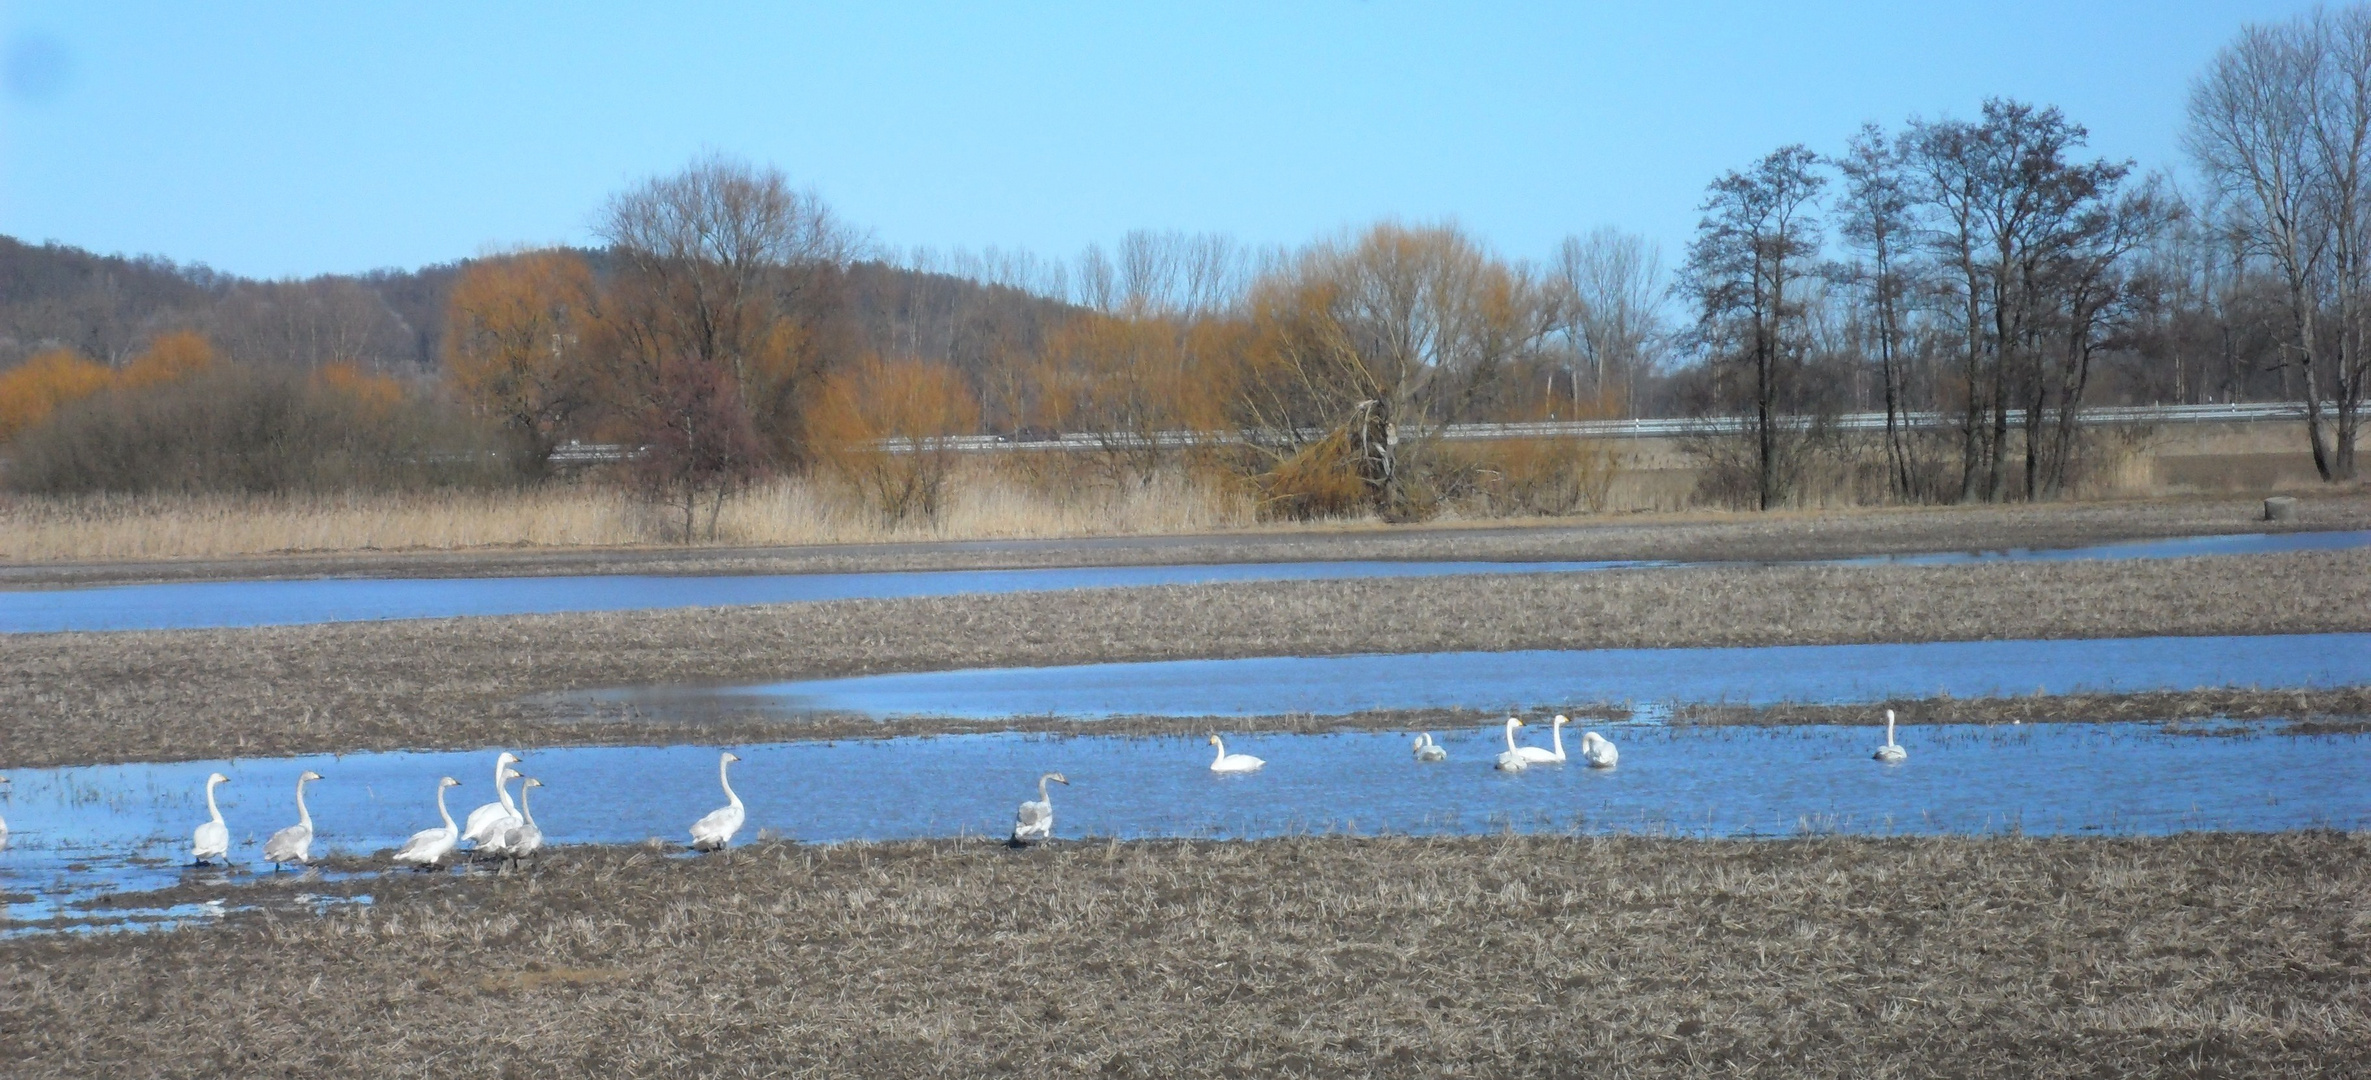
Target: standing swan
[(489, 820), (716, 830), (212, 839), (1228, 763), (1892, 751), (1035, 820), (1536, 756), (526, 837), (1513, 760), (428, 846), (1428, 750), (293, 844), (1598, 752)]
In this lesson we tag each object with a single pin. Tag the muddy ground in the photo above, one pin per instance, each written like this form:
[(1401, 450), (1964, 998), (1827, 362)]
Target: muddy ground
[(463, 683), (1702, 536), (2195, 955)]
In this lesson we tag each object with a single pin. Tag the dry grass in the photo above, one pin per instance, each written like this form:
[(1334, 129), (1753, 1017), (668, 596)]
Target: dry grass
[(1693, 537), (2197, 955), (107, 528), (458, 683)]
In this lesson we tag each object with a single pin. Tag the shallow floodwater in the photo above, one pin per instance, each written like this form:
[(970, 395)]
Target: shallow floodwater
[(1337, 685), (84, 831), (275, 603)]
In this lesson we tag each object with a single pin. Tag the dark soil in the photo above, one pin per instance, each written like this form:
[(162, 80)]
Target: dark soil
[(2194, 955)]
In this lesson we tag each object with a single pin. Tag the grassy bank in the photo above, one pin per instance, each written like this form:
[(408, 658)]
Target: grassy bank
[(63, 544), (1502, 956), (86, 698)]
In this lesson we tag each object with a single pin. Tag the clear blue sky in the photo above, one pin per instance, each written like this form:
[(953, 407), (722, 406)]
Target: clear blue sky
[(292, 139)]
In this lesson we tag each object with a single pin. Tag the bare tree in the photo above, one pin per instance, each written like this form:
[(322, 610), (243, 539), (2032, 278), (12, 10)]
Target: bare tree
[(1606, 285), (1757, 240), (727, 265), (1877, 222), (2278, 122)]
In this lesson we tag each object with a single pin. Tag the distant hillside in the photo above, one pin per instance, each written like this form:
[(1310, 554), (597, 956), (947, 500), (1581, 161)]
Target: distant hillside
[(109, 306)]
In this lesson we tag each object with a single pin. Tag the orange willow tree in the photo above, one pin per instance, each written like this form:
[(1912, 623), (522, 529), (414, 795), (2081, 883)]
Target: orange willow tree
[(1143, 386), (886, 428), (1362, 351), (521, 335)]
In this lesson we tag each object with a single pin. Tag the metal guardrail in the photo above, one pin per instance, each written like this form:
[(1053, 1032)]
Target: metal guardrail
[(1661, 428)]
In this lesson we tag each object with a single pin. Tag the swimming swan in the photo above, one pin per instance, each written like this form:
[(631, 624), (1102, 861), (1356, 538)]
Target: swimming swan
[(1536, 756), (293, 844), (1227, 763), (212, 840), (489, 820), (716, 830), (1428, 750), (526, 837), (1035, 820), (428, 846), (1513, 760), (1892, 751), (1598, 752)]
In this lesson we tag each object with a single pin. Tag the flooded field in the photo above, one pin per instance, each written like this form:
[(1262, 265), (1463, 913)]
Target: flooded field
[(1335, 685), (319, 600), (82, 833)]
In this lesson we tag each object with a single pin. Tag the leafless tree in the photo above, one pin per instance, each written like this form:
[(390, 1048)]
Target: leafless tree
[(1607, 285)]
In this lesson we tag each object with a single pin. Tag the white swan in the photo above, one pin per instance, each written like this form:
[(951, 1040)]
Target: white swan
[(1598, 751), (1428, 750), (526, 837), (1227, 763), (716, 830), (212, 840), (1035, 820), (496, 840), (428, 846), (492, 818), (293, 844), (1538, 756), (1513, 760), (1892, 751)]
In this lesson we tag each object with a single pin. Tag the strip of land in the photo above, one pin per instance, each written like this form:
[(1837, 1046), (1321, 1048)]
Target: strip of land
[(2199, 954), (1688, 537), (463, 683)]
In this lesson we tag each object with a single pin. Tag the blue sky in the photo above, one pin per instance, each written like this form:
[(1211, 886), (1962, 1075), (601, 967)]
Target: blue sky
[(287, 139)]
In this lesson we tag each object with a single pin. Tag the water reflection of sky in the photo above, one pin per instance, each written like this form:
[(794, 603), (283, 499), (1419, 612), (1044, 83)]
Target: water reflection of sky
[(269, 603), (1335, 685), (82, 831)]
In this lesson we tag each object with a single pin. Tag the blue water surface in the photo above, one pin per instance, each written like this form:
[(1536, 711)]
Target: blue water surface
[(83, 831), (279, 603)]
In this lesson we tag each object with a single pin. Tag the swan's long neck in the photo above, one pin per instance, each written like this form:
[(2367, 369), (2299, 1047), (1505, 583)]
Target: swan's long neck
[(216, 811), (1559, 735), (523, 814), (721, 778), (1041, 790), (502, 791), (304, 817), (1511, 737), (1889, 729), (447, 814), (1222, 750)]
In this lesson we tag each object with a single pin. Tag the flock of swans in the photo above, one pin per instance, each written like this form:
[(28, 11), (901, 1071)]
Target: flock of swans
[(507, 830)]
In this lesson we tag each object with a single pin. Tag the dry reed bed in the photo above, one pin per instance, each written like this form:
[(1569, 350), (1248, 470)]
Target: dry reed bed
[(2193, 955), (459, 683), (119, 527), (1695, 537)]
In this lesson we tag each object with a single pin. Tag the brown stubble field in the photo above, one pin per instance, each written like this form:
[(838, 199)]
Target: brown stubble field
[(2195, 955)]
